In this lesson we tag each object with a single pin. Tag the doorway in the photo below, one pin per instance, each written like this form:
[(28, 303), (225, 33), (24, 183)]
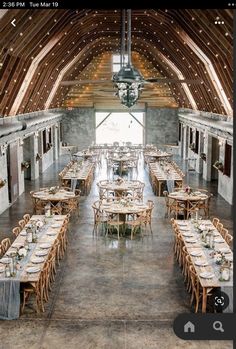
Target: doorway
[(119, 127), (27, 154), (12, 172), (215, 151)]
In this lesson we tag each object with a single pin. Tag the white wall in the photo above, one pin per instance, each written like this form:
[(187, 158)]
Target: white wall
[(21, 179), (225, 183), (208, 127), (47, 160), (4, 202), (37, 167)]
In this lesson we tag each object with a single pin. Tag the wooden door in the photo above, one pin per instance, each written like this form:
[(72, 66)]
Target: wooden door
[(12, 164)]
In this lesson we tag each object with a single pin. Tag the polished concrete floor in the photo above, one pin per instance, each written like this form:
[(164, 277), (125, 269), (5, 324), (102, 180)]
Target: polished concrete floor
[(109, 294)]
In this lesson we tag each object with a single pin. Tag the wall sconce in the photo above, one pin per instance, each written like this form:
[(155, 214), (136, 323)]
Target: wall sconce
[(3, 148), (221, 142), (36, 134), (38, 157), (21, 142)]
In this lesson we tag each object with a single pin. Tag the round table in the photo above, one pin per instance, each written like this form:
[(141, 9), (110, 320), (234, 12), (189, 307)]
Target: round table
[(122, 160), (190, 201), (119, 188), (43, 197)]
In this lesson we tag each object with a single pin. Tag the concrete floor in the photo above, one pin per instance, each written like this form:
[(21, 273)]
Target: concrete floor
[(109, 294)]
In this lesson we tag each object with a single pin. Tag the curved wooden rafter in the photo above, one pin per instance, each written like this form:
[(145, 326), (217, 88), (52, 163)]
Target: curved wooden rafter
[(94, 32)]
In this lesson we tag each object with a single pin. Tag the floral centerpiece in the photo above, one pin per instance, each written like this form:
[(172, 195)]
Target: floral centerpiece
[(119, 180), (21, 253), (188, 190), (53, 190)]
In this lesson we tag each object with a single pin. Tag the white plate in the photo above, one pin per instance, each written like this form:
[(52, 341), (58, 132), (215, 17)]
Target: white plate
[(188, 235), (40, 253), (58, 219), (183, 223), (197, 192), (224, 250), (17, 244), (219, 240), (216, 233), (32, 269), (51, 233), (23, 233), (229, 258), (9, 252), (207, 275), (5, 260), (55, 225), (203, 196), (45, 245), (37, 260), (196, 253), (201, 263), (191, 241), (185, 228)]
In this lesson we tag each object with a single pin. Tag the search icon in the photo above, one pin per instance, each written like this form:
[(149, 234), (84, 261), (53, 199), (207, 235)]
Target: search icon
[(217, 326)]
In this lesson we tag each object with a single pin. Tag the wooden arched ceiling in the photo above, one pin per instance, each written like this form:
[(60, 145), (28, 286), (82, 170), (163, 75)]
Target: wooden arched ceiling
[(158, 94), (48, 46)]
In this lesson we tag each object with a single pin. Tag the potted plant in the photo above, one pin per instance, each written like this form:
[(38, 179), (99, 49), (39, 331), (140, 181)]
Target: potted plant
[(218, 165), (192, 146), (25, 165), (2, 182), (203, 156)]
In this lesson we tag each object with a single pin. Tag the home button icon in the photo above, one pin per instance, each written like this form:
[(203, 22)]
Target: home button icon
[(189, 327)]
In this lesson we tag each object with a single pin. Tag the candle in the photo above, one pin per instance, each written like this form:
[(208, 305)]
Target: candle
[(225, 274), (196, 214)]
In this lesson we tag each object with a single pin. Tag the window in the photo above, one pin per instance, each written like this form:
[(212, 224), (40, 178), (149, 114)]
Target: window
[(119, 127), (44, 141), (180, 131), (190, 135), (116, 62), (50, 135), (227, 162), (61, 131), (197, 142)]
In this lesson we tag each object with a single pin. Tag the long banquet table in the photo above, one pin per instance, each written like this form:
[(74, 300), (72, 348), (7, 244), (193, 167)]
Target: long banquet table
[(202, 259), (165, 173), (80, 173), (10, 287)]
